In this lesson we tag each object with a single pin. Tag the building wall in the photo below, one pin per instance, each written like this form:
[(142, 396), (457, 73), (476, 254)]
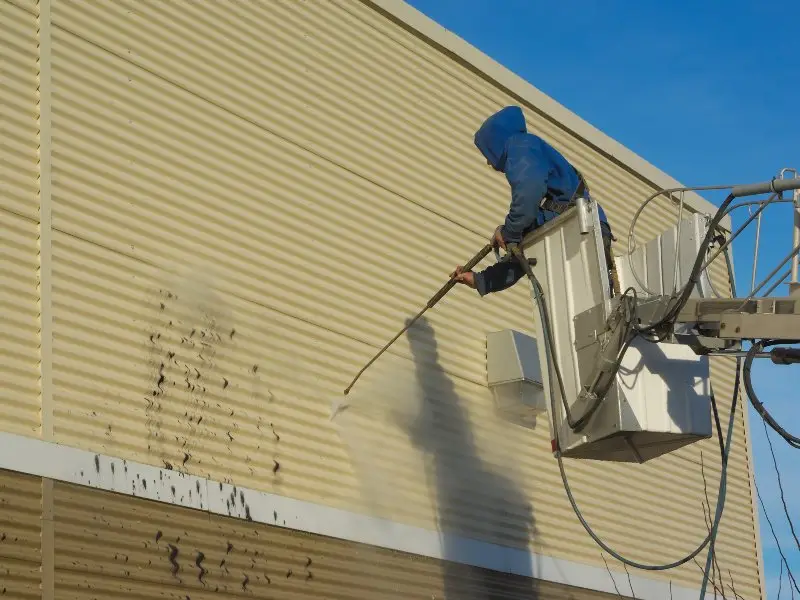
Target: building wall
[(20, 535), (115, 546), (238, 204), (19, 188)]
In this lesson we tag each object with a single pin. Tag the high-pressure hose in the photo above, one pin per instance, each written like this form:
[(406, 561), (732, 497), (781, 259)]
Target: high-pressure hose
[(774, 186), (482, 253), (788, 356), (724, 449), (596, 400)]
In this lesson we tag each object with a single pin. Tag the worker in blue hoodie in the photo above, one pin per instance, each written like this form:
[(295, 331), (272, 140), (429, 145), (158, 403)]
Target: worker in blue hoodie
[(543, 184)]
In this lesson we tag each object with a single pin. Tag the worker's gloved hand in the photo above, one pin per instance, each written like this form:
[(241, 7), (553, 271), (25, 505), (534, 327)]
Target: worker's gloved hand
[(497, 238), (465, 277)]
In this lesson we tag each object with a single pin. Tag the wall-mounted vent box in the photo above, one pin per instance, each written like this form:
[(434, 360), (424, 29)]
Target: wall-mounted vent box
[(514, 376)]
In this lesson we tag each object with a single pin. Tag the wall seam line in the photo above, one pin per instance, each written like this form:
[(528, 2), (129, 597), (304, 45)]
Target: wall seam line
[(20, 6), (45, 221), (48, 540), (377, 344), (13, 213), (263, 128)]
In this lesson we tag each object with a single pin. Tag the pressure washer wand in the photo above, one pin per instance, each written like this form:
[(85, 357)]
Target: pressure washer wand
[(436, 297)]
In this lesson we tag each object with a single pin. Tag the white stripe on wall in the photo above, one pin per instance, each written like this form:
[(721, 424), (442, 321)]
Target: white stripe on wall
[(72, 465)]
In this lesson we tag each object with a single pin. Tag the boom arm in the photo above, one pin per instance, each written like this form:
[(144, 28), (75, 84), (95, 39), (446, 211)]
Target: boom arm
[(718, 325)]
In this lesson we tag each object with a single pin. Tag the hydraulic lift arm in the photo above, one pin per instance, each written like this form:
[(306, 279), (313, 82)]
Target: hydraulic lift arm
[(687, 316), (719, 325)]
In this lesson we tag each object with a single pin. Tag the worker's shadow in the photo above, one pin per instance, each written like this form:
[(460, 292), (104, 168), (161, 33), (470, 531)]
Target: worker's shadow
[(474, 501)]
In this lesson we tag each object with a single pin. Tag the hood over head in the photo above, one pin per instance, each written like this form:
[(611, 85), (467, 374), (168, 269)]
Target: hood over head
[(492, 136)]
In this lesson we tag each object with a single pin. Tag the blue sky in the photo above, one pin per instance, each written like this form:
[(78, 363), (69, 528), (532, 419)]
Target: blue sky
[(706, 91)]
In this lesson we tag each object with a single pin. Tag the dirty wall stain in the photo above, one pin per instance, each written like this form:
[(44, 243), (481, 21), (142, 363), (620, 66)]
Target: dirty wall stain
[(190, 333), (193, 372)]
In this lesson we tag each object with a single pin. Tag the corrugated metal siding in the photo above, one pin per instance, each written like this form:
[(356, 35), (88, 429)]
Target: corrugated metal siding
[(19, 352), (20, 532), (288, 211), (349, 87), (19, 328), (312, 465), (18, 111), (108, 546), (32, 6)]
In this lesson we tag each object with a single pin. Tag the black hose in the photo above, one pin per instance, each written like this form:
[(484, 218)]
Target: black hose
[(672, 312), (757, 347), (539, 293), (651, 333), (551, 360)]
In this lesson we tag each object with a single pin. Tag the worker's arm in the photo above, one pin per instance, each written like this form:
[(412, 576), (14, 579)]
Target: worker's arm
[(498, 277), (527, 173)]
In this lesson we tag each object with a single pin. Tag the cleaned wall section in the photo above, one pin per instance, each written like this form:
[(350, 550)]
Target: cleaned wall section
[(19, 215), (246, 203)]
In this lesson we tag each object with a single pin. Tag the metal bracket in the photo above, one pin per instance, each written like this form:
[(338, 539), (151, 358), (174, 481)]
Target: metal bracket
[(741, 326)]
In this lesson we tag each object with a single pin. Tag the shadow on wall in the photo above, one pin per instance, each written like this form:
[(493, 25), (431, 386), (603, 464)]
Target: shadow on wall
[(472, 499)]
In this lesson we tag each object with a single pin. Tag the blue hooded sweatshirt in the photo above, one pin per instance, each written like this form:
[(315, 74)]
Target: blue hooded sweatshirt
[(532, 167)]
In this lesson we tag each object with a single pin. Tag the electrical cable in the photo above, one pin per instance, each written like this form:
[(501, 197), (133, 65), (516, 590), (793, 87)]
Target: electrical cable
[(732, 283), (757, 347), (539, 295), (651, 333), (792, 580), (683, 297), (731, 274), (712, 534), (780, 581), (780, 484)]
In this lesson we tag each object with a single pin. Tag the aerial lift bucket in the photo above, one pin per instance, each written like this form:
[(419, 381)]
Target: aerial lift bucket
[(655, 401)]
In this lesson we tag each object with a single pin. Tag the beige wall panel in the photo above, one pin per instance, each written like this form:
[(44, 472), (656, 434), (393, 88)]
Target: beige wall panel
[(18, 111), (20, 536), (232, 194), (19, 214), (31, 6), (351, 86), (105, 367), (198, 179), (19, 328), (109, 546), (614, 186)]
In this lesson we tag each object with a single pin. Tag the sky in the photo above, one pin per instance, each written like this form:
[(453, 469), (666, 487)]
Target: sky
[(705, 91)]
